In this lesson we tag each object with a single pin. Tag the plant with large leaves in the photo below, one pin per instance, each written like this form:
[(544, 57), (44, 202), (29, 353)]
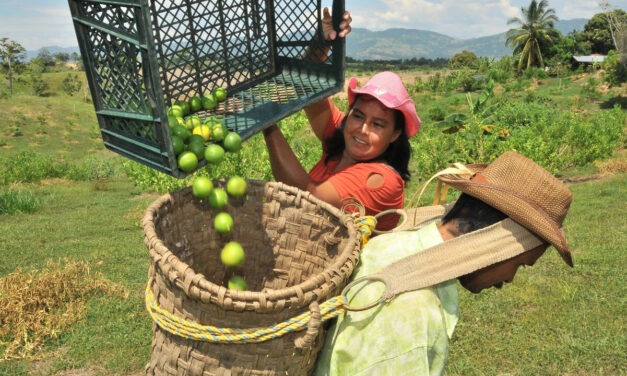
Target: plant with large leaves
[(533, 33)]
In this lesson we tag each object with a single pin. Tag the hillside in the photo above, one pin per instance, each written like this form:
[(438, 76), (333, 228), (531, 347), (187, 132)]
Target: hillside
[(363, 44)]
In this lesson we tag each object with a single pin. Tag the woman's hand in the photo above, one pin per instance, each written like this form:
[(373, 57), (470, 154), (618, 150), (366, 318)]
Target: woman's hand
[(327, 25)]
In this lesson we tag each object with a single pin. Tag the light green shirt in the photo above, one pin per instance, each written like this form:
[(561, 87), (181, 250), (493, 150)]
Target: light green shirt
[(406, 336)]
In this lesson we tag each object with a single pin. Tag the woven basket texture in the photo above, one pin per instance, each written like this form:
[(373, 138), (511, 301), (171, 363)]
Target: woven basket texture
[(299, 250)]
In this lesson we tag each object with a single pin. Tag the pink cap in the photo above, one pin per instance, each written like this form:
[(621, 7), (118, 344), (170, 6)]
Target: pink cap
[(388, 89)]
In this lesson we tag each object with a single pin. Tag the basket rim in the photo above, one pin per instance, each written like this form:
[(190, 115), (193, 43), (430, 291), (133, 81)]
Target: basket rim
[(194, 283)]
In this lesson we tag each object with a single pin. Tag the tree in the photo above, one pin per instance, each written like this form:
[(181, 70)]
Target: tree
[(63, 57), (34, 77), (533, 33), (71, 84), (617, 22), (11, 54), (603, 34), (464, 59)]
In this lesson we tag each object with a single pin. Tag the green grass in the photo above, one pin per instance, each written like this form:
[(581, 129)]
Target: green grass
[(14, 201), (552, 320), (97, 223)]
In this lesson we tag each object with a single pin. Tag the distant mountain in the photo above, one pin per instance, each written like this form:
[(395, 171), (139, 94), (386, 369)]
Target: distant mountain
[(566, 26), (390, 44)]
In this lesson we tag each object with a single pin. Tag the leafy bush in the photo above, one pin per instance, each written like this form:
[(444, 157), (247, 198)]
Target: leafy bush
[(556, 140), (538, 73), (28, 167), (615, 69), (18, 201)]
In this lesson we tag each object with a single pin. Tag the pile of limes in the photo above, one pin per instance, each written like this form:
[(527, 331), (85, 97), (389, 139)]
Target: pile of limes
[(232, 254), (194, 139)]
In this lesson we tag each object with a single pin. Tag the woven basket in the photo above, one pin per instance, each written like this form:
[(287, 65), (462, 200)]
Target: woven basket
[(299, 251)]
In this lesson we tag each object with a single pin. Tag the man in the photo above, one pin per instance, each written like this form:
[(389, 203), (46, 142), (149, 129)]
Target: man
[(406, 332)]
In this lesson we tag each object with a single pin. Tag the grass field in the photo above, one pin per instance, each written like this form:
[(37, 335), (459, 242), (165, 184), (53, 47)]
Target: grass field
[(552, 320)]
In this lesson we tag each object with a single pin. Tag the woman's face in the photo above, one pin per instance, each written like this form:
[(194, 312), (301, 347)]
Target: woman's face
[(369, 129)]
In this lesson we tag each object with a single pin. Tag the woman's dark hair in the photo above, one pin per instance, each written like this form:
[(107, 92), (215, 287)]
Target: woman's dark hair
[(397, 155), (472, 214)]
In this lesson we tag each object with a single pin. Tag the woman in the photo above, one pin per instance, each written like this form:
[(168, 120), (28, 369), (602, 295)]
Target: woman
[(366, 152)]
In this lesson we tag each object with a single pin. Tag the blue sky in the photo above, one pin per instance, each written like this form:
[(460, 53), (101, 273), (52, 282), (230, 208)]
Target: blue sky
[(39, 23)]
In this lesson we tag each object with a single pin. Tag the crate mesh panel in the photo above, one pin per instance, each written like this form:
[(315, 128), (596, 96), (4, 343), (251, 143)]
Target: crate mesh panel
[(142, 55), (117, 17), (298, 30), (203, 45)]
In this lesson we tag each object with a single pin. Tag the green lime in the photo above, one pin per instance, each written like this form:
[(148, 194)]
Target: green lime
[(218, 198), (236, 186), (217, 132), (214, 153), (184, 105), (237, 283), (195, 104), (220, 94), (232, 255), (209, 101), (223, 223), (232, 142), (187, 161), (176, 111), (197, 148), (202, 186), (181, 131), (177, 145)]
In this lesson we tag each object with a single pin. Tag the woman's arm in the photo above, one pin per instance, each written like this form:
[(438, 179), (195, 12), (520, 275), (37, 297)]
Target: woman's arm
[(287, 169), (319, 113)]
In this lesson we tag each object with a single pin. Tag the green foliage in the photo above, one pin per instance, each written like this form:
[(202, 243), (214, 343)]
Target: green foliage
[(589, 89), (12, 55), (18, 201), (533, 34), (28, 167), (598, 30), (534, 126), (35, 80), (72, 84), (537, 73), (464, 59), (615, 69)]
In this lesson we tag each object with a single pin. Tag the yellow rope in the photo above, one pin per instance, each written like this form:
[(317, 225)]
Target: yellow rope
[(366, 225), (191, 330)]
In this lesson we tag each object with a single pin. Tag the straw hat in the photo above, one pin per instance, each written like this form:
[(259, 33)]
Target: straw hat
[(524, 191), (388, 89)]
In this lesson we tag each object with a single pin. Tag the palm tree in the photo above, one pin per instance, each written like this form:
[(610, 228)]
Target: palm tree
[(532, 34)]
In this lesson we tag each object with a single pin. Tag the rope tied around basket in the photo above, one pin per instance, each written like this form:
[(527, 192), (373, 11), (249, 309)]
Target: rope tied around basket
[(367, 224), (188, 329)]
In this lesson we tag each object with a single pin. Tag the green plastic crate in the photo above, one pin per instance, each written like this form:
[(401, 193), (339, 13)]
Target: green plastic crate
[(141, 56)]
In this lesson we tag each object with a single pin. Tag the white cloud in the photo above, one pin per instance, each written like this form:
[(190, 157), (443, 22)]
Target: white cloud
[(38, 23), (468, 18), (449, 17), (36, 27)]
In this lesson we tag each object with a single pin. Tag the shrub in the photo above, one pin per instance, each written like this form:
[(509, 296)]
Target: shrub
[(28, 167), (14, 201)]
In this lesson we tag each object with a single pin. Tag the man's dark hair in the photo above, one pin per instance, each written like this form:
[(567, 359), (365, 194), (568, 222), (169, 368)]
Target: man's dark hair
[(396, 155), (471, 214)]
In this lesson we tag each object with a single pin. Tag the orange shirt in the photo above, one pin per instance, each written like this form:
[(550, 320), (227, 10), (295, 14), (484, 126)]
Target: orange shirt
[(351, 181)]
